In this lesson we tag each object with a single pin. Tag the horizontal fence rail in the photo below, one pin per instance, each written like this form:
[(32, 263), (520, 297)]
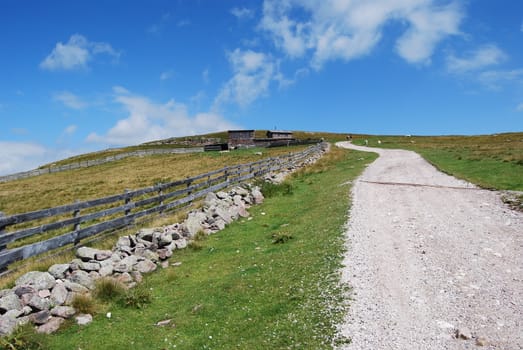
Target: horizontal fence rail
[(71, 223), (93, 162)]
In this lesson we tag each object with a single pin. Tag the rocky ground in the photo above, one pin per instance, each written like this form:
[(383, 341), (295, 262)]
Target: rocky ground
[(434, 262)]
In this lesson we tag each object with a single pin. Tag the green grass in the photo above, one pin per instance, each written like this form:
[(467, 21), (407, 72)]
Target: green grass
[(490, 161), (243, 289)]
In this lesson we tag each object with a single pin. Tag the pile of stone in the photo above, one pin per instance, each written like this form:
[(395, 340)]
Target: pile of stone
[(45, 298), (280, 176)]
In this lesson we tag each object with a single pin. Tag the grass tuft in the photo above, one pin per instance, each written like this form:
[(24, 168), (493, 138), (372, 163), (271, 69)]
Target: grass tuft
[(24, 338), (270, 189), (281, 237), (137, 298), (84, 304), (107, 289)]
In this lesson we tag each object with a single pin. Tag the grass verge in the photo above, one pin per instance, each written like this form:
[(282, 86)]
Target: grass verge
[(271, 282)]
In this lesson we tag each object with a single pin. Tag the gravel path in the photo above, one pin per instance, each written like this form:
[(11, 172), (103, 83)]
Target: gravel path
[(425, 261)]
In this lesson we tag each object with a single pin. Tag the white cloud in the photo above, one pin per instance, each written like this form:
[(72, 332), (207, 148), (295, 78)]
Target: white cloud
[(70, 100), (167, 75), (206, 76), (148, 121), (242, 13), (23, 156), (76, 53), (348, 29), (482, 57), (253, 72), (71, 129), (495, 79), (519, 108)]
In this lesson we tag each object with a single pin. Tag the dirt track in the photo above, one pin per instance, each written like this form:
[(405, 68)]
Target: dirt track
[(429, 254)]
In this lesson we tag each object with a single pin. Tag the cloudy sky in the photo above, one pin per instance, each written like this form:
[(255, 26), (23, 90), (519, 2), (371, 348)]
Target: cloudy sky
[(78, 76)]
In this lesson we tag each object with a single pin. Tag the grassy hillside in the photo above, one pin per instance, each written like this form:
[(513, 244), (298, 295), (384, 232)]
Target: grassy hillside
[(491, 161), (266, 283), (112, 178)]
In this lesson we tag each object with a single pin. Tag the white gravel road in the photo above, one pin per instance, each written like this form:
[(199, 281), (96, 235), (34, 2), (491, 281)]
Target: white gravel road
[(429, 254)]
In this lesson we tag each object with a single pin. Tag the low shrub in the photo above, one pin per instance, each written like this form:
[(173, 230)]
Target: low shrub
[(23, 338), (138, 297)]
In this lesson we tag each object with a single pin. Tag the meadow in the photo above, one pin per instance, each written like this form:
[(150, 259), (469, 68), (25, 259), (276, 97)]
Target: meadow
[(269, 282)]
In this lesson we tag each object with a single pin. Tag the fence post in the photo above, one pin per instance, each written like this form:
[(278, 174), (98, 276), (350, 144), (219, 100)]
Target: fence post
[(76, 226), (2, 247), (127, 201), (160, 194), (2, 232)]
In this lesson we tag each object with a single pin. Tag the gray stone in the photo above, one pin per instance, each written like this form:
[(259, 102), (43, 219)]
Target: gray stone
[(148, 233), (124, 278), (94, 275), (38, 280), (41, 317), (84, 319), (126, 264), (102, 255), (10, 302), (257, 195), (106, 269), (89, 266), (7, 325), (50, 326), (75, 287), (59, 294), (27, 310), (237, 200), (86, 253), (234, 212), (137, 276), (164, 253), (193, 223), (4, 292), (222, 195), (59, 270), (25, 298), (164, 239), (81, 277), (38, 303), (63, 311), (22, 321), (240, 191), (148, 254), (13, 313), (210, 200), (181, 243), (125, 251), (44, 293), (145, 266), (223, 214), (123, 241)]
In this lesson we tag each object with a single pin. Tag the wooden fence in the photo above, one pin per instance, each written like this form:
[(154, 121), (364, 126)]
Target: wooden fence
[(99, 161), (85, 219)]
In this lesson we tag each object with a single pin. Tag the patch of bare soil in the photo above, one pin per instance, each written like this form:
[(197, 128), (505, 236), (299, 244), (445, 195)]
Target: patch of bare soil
[(430, 257)]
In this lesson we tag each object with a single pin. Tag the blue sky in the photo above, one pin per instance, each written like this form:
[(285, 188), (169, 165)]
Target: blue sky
[(79, 76)]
